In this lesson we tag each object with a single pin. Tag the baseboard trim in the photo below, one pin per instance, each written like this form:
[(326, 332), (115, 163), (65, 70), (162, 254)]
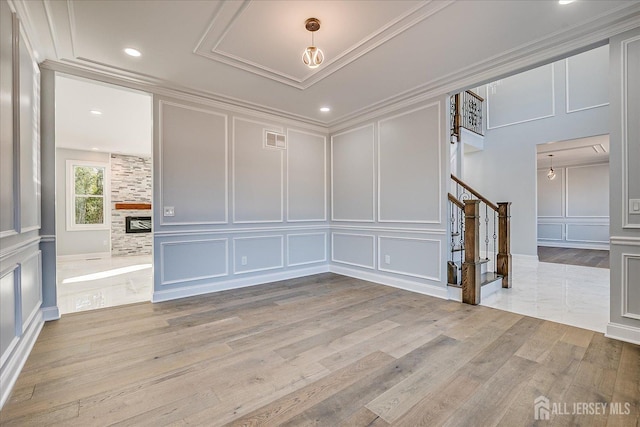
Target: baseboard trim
[(595, 246), (190, 291), (80, 257), (50, 313), (621, 332), (521, 257), (407, 285), (16, 362)]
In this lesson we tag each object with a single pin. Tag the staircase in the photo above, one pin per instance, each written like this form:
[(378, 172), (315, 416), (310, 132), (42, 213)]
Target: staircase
[(480, 242)]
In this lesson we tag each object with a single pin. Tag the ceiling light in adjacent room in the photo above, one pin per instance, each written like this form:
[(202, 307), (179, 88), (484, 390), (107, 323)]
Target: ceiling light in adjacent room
[(132, 52), (312, 56), (96, 112), (325, 109), (563, 2), (551, 175)]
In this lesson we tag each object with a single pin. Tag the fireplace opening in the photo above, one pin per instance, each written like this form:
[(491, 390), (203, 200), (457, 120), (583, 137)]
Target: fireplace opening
[(138, 224)]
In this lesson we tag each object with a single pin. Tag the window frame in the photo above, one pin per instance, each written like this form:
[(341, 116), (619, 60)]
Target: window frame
[(71, 196)]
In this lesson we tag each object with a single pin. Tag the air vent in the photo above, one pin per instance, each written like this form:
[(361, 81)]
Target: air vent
[(274, 140)]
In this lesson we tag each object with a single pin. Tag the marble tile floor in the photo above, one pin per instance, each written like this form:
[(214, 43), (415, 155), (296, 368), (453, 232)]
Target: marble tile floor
[(81, 285), (569, 294)]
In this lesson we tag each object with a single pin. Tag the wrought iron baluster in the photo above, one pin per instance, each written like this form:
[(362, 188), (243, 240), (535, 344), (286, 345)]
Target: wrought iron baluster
[(486, 231)]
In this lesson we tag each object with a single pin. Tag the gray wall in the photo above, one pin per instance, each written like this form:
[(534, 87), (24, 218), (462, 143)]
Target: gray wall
[(244, 213), (625, 185), (20, 255), (573, 209), (77, 243), (547, 104), (387, 213)]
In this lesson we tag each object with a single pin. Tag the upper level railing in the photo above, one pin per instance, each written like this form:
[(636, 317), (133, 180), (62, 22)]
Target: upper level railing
[(480, 233), (466, 112)]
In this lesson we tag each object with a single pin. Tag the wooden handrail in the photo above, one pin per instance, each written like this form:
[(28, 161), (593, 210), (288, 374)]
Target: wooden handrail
[(455, 201), (475, 95), (474, 192)]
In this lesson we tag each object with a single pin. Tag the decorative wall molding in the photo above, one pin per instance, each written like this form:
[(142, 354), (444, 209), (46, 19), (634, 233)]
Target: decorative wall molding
[(532, 119), (19, 357), (568, 110), (439, 155), (163, 245), (324, 137), (254, 270), (268, 126), (324, 249), (161, 104), (626, 261), (27, 318), (435, 278), (81, 257), (9, 251), (626, 122), (625, 240), (387, 229), (566, 192), (373, 178), (237, 230), (372, 266), (569, 239)]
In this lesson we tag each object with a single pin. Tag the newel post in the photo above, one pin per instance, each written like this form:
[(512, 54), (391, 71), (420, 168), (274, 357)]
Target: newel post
[(471, 266), (504, 243)]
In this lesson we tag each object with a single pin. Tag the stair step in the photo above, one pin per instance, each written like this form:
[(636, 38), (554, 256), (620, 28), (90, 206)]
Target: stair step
[(489, 277), (457, 249), (455, 234)]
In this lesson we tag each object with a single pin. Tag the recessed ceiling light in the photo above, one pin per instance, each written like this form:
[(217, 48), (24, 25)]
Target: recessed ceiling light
[(132, 52), (566, 1), (95, 148), (96, 112), (325, 109)]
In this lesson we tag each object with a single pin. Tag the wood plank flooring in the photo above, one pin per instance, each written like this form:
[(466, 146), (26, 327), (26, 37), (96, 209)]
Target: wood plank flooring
[(583, 257), (322, 350)]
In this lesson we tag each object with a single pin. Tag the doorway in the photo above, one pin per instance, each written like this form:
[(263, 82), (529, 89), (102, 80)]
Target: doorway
[(103, 195)]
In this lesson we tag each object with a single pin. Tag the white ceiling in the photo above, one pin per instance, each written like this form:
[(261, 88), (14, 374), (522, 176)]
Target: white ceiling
[(124, 126), (594, 149), (249, 52)]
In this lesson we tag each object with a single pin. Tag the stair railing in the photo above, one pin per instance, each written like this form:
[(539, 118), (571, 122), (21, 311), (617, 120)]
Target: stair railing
[(466, 112), (474, 216)]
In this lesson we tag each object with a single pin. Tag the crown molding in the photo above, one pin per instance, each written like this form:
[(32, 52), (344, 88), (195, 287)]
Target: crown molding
[(166, 88), (555, 46)]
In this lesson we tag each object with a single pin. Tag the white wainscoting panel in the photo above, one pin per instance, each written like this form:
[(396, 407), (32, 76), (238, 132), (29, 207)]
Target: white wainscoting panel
[(30, 288), (193, 164), (8, 313), (631, 131), (258, 181), (551, 194), (630, 290), (260, 253), (522, 98), (410, 256), (353, 249), (191, 260), (588, 191), (7, 152), (306, 248), (352, 175), (306, 176), (588, 233), (588, 80), (409, 171), (550, 231)]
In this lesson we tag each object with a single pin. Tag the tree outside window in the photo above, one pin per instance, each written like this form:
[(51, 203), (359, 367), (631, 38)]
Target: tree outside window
[(87, 203)]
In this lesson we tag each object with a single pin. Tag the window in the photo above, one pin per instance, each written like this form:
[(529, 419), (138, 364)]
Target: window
[(87, 195)]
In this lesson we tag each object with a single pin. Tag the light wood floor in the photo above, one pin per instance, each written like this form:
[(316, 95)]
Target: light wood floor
[(322, 350)]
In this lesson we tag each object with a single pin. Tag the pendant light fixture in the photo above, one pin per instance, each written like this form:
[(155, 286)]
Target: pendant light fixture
[(551, 175), (312, 56)]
